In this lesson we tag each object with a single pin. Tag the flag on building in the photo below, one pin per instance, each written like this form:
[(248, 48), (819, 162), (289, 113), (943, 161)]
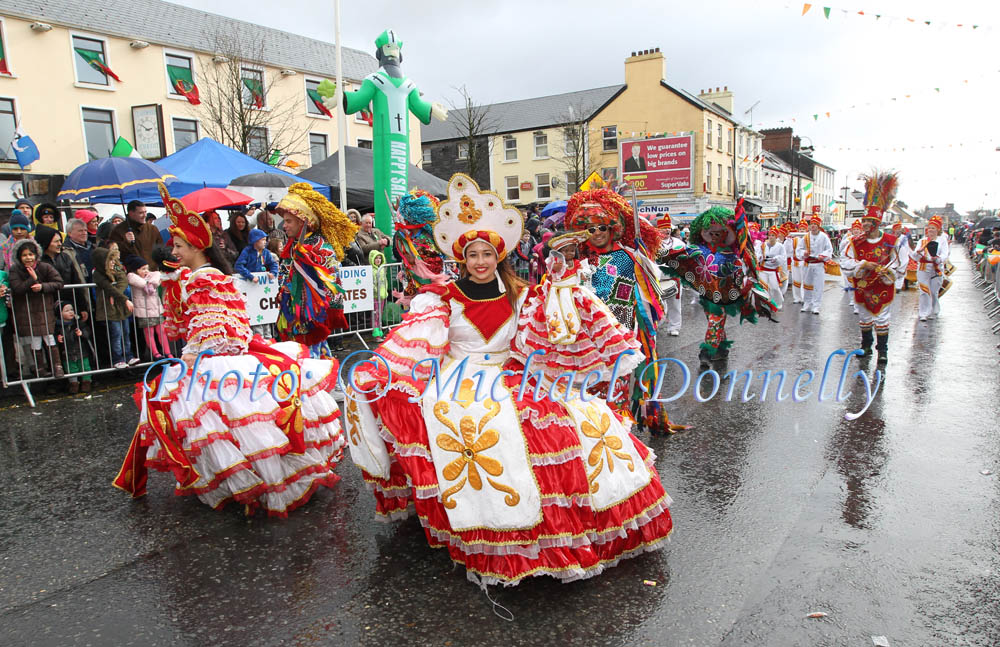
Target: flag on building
[(95, 61), (292, 164), (124, 149), (183, 83), (256, 92), (368, 118), (275, 158), (318, 102), (807, 190), (4, 69), (25, 149)]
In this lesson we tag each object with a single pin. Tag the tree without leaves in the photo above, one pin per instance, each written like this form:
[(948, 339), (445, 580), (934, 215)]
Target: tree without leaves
[(227, 112), (578, 146), (472, 123)]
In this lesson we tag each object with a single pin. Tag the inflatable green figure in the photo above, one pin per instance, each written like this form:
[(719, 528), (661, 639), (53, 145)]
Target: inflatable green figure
[(392, 97)]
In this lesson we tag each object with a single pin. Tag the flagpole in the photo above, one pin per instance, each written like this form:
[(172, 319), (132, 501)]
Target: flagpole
[(341, 115)]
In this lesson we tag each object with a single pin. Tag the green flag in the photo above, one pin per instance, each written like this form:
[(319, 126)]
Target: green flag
[(275, 158), (96, 61), (124, 149), (256, 91), (183, 83)]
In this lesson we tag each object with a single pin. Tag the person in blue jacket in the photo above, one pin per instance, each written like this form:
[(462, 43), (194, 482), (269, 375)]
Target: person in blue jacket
[(255, 257)]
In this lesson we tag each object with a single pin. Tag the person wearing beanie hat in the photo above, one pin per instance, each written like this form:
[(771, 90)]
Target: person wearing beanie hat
[(255, 257), (64, 260), (814, 251), (20, 227)]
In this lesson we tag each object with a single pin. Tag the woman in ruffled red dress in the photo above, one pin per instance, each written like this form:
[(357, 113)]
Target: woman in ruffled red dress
[(513, 485), (236, 419)]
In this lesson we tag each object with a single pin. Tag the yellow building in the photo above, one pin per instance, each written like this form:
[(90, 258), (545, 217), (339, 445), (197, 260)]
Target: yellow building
[(541, 148), (74, 112)]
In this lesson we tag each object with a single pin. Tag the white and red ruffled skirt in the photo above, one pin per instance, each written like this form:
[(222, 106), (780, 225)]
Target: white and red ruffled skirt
[(574, 537), (246, 446)]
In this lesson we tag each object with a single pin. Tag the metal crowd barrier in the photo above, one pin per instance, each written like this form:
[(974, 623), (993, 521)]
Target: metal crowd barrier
[(30, 364)]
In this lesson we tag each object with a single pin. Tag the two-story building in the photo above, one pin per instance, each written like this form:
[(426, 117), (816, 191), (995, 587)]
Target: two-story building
[(679, 150), (816, 194), (78, 76)]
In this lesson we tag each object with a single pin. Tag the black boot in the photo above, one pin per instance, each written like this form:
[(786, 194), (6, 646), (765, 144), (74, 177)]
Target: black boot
[(882, 346), (866, 341)]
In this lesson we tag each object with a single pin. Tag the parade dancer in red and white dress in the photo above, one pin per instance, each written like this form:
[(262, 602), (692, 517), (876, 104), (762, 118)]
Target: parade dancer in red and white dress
[(258, 425), (871, 263), (511, 486)]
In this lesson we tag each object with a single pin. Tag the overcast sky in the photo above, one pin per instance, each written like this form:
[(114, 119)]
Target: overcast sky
[(766, 51)]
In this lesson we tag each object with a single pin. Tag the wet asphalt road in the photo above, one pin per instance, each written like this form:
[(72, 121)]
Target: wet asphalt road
[(781, 509)]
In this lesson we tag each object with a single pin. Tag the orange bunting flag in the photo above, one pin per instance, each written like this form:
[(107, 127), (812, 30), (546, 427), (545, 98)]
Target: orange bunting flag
[(806, 8)]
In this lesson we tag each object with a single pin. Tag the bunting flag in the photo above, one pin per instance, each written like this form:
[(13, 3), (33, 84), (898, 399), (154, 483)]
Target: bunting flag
[(292, 164), (903, 19), (124, 149), (183, 83), (318, 102), (95, 61), (256, 92), (4, 69)]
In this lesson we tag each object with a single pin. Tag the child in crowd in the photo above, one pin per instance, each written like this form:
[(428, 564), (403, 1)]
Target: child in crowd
[(256, 257), (79, 348), (380, 291), (35, 287), (112, 305), (20, 227), (148, 307)]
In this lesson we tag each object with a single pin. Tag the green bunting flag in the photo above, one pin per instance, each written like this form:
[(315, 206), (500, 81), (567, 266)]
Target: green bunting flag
[(183, 83), (256, 91), (95, 61), (124, 149), (826, 12)]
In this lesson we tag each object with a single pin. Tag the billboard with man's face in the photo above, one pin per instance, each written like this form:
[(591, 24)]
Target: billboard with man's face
[(658, 165)]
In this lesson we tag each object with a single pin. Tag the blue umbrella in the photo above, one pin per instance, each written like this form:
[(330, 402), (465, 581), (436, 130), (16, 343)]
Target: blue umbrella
[(553, 208), (112, 175)]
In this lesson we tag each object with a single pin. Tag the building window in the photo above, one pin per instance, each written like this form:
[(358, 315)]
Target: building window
[(317, 148), (253, 87), (719, 127), (708, 176), (708, 135), (571, 185), (463, 150), (570, 136), (610, 136), (542, 187), (182, 70), (312, 96), (729, 180), (729, 141), (98, 132), (509, 148), (257, 145), (88, 55), (8, 123), (739, 151), (426, 156), (541, 145), (718, 178), (365, 143), (513, 190), (185, 133)]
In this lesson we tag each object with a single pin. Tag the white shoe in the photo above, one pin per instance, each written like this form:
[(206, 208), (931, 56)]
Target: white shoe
[(804, 309), (121, 365), (133, 361), (673, 333), (815, 311)]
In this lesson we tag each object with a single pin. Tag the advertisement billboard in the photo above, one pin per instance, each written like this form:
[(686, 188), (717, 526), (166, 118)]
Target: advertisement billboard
[(658, 165)]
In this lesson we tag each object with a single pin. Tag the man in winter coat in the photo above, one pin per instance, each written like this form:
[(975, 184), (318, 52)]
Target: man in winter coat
[(35, 287)]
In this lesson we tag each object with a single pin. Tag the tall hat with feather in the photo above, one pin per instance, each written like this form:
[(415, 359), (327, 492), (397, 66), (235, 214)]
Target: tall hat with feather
[(470, 215), (880, 191)]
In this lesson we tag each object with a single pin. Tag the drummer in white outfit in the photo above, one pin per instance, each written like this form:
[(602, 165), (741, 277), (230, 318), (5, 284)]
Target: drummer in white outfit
[(814, 250), (772, 266), (931, 254)]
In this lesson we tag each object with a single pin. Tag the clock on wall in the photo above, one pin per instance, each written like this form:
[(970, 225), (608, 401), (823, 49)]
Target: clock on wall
[(147, 125)]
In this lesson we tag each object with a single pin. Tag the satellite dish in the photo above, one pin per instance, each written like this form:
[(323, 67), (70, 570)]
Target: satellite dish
[(554, 182)]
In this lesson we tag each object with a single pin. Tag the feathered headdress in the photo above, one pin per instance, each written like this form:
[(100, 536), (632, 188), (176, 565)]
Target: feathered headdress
[(321, 215), (880, 191)]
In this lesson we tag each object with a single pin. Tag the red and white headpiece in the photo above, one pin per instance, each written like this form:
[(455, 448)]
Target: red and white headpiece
[(470, 215), (816, 220), (187, 224)]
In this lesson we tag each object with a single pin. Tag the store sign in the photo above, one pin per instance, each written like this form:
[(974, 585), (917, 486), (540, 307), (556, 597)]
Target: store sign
[(658, 165), (526, 186)]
